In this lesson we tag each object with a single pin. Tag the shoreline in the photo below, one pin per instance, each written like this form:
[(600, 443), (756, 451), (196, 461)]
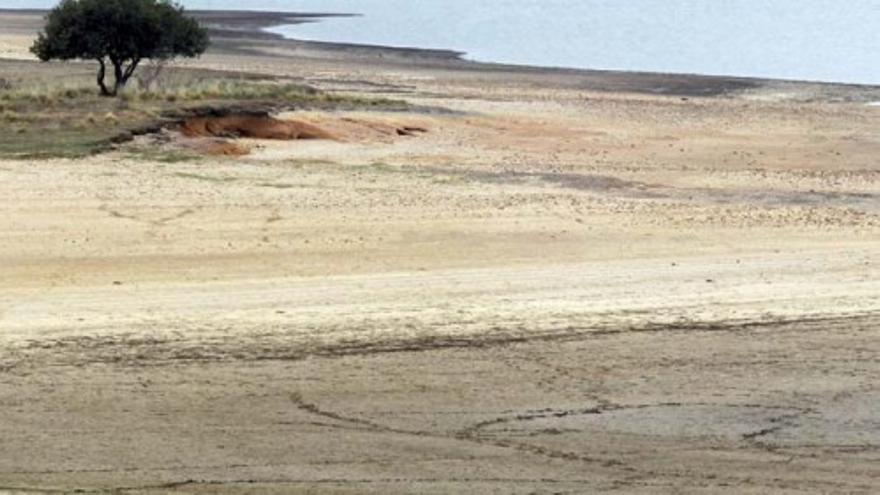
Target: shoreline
[(277, 20), (247, 32)]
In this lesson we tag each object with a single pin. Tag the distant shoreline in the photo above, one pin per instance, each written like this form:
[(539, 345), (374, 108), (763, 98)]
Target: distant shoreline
[(240, 30), (256, 22), (281, 19)]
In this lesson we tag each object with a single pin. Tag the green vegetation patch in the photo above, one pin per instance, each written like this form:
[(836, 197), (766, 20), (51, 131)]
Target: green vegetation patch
[(160, 155)]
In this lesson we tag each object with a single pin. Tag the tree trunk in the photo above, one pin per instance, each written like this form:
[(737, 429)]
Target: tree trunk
[(118, 77), (102, 71), (122, 73)]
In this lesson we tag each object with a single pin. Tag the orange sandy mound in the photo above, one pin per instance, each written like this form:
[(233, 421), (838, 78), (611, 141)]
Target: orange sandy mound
[(256, 127)]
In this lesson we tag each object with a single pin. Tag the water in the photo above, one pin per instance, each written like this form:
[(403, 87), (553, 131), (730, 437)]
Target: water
[(820, 40)]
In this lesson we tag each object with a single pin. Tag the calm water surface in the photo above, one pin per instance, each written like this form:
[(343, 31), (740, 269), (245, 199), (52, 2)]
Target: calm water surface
[(796, 39)]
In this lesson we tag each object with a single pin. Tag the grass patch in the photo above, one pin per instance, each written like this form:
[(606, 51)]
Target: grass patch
[(209, 178), (306, 162), (382, 167), (163, 156), (31, 142), (54, 110), (278, 185)]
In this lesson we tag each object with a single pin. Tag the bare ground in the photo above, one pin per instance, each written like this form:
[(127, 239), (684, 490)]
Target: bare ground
[(555, 289)]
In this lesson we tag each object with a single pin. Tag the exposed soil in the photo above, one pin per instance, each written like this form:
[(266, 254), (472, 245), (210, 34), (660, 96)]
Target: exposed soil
[(252, 126), (264, 127)]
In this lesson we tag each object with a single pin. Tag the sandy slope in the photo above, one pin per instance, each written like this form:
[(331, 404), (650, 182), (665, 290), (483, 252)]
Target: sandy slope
[(553, 290)]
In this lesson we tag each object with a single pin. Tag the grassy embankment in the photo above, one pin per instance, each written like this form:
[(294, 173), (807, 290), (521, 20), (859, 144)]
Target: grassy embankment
[(54, 110)]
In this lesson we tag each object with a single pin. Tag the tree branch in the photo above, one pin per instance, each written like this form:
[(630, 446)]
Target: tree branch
[(131, 68)]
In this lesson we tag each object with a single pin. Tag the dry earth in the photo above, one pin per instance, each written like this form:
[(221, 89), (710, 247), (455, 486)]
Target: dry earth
[(553, 290)]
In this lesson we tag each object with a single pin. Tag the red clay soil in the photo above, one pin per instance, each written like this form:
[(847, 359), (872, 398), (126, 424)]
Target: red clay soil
[(256, 127)]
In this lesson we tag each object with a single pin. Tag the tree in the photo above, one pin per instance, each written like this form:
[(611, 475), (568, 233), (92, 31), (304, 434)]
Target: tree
[(121, 33)]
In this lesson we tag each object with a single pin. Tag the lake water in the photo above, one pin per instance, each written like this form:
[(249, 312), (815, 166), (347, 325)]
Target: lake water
[(821, 40)]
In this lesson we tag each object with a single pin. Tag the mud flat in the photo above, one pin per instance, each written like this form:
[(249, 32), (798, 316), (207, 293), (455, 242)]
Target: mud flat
[(570, 282)]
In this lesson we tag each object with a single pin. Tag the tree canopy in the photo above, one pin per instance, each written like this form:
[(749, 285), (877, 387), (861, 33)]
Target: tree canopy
[(123, 32)]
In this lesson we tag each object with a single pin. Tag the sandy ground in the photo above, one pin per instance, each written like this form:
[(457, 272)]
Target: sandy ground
[(553, 290), (15, 47)]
